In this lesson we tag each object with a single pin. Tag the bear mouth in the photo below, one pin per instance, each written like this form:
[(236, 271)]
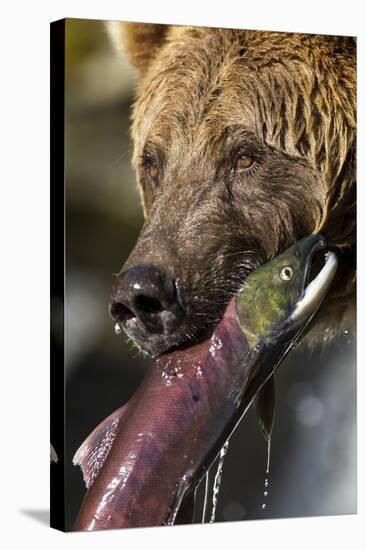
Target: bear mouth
[(198, 325), (189, 332), (319, 267)]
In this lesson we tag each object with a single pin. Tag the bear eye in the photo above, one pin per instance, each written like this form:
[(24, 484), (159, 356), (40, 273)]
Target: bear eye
[(152, 170), (243, 163)]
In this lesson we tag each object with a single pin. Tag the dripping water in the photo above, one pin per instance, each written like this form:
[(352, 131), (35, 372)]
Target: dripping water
[(268, 454), (217, 482), (207, 486), (117, 329), (182, 487), (266, 479)]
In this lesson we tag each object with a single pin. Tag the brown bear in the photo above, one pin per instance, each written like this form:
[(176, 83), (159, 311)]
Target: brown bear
[(244, 141)]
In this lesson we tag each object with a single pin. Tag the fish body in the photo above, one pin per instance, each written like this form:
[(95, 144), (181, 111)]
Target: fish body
[(144, 463), (159, 451)]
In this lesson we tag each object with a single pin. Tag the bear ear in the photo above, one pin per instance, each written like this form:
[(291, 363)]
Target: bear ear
[(141, 40)]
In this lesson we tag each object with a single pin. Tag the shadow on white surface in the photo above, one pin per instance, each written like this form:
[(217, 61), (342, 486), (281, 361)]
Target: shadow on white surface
[(40, 515)]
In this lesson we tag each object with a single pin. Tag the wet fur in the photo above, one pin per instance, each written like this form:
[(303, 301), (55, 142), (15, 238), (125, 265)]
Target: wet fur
[(204, 97)]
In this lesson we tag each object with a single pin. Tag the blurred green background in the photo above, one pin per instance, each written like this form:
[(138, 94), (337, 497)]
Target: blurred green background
[(313, 466)]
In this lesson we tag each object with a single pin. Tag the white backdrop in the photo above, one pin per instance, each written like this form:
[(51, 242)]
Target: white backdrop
[(24, 131)]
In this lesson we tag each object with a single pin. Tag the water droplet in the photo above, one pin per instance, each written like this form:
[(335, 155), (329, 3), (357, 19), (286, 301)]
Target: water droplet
[(216, 345), (117, 329), (198, 370), (346, 332), (266, 479)]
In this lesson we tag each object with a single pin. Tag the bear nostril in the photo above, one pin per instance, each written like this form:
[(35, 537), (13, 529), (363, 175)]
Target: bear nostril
[(119, 312), (148, 296), (147, 304)]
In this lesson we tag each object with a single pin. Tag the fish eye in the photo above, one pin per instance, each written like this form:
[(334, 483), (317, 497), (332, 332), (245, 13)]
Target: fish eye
[(243, 163), (286, 273)]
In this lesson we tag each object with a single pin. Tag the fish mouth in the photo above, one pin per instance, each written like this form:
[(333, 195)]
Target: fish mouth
[(320, 266)]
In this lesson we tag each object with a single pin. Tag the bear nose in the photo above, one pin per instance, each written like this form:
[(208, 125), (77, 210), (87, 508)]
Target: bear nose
[(147, 293)]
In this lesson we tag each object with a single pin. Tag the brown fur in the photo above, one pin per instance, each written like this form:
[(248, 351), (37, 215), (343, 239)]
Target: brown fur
[(206, 96)]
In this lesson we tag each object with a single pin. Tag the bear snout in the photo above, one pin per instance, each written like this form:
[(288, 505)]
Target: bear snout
[(145, 300)]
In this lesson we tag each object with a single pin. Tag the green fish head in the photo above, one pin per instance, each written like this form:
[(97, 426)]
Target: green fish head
[(276, 297)]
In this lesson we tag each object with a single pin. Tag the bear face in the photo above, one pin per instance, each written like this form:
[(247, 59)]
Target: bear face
[(244, 142)]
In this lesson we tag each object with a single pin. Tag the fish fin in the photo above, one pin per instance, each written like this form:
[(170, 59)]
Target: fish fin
[(92, 453), (265, 404)]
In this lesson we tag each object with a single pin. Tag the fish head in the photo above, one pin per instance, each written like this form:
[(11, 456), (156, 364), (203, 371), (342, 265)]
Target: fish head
[(278, 298)]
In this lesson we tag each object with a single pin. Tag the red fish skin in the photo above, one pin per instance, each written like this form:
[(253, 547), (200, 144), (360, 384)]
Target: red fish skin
[(171, 425)]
